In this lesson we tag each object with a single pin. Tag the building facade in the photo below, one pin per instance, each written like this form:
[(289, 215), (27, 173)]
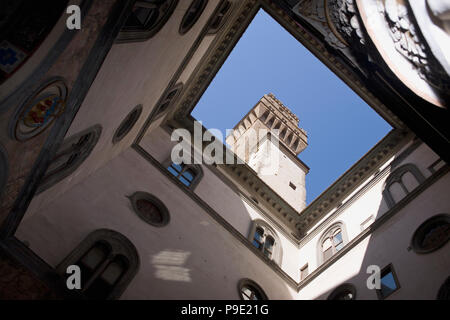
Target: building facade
[(88, 178)]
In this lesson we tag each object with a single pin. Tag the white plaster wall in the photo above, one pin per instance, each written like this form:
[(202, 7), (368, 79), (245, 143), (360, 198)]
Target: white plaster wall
[(419, 275), (132, 73), (277, 170), (377, 249), (223, 199), (193, 257)]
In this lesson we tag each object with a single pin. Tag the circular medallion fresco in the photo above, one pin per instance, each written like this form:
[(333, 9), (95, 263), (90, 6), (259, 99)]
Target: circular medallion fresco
[(40, 110)]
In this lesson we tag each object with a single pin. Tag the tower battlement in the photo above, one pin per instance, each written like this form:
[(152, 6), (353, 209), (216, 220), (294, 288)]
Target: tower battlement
[(272, 114)]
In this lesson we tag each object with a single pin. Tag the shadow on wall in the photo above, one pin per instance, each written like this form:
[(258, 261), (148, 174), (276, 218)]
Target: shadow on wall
[(192, 256), (405, 224)]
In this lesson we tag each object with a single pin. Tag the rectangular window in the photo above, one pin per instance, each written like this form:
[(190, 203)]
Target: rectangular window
[(304, 272), (292, 185), (389, 282), (366, 223), (435, 166), (184, 174)]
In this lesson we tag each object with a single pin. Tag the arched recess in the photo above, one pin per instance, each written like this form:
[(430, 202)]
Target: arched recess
[(108, 261), (147, 18), (268, 233), (250, 290), (345, 291), (70, 155), (396, 186), (331, 240)]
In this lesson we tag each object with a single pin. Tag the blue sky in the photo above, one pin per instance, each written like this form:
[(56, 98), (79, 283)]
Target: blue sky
[(341, 127)]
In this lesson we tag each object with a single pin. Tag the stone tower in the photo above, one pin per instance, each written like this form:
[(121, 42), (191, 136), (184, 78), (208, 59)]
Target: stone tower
[(268, 139)]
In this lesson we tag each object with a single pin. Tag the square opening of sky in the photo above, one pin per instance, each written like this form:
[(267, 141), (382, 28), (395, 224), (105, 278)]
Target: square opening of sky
[(341, 127)]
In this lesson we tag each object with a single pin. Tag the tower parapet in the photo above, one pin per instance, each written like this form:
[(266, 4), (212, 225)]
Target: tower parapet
[(274, 160), (274, 115)]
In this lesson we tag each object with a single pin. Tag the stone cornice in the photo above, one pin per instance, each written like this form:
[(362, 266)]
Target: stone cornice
[(352, 178), (277, 269), (215, 57), (375, 225), (217, 217)]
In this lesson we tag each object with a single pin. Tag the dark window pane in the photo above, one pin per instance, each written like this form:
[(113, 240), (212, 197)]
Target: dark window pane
[(149, 210)]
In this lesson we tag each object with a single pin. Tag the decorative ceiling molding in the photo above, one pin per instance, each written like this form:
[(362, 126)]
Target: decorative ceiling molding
[(392, 28)]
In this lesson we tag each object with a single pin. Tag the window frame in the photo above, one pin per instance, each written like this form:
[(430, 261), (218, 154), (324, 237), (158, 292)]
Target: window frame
[(396, 177), (250, 283), (221, 17), (141, 195), (390, 267), (421, 229), (342, 288), (132, 116), (194, 167), (120, 246), (130, 34), (329, 234), (186, 27), (268, 232), (48, 181), (158, 112), (304, 272)]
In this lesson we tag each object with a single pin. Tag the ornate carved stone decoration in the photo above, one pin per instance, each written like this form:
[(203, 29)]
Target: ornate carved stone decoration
[(342, 18), (407, 42), (393, 29), (314, 11)]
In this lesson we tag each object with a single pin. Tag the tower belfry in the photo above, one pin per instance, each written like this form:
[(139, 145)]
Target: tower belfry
[(276, 148)]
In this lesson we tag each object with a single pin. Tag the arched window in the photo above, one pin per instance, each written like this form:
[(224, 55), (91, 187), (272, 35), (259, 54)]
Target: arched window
[(250, 290), (268, 247), (220, 16), (332, 241), (344, 292), (431, 235), (146, 19), (265, 239), (73, 151), (401, 182), (167, 99), (150, 209), (108, 261), (389, 282), (258, 238), (192, 14), (127, 124), (188, 174)]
